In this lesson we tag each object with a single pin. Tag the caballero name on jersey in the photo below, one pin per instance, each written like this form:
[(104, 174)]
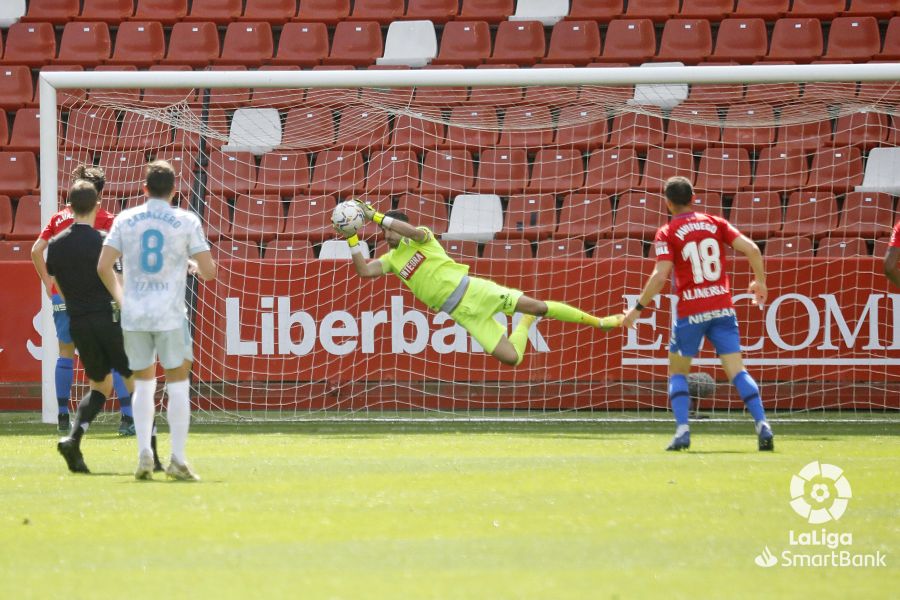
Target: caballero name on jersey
[(704, 292), (164, 217)]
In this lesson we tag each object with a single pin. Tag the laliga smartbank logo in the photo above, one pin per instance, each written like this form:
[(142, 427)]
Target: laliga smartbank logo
[(820, 493)]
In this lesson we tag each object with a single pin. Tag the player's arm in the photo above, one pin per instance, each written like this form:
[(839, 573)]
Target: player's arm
[(758, 287), (106, 270), (891, 270), (654, 285), (40, 265), (405, 229), (367, 269), (203, 265)]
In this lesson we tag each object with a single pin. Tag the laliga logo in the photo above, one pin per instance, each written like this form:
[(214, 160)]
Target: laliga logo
[(820, 493)]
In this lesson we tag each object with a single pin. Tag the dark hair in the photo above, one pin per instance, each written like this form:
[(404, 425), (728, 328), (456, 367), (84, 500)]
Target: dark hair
[(397, 214), (82, 197), (92, 174), (679, 190), (160, 179)]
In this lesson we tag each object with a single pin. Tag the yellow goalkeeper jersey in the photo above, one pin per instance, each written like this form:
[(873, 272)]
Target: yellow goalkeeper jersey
[(425, 268)]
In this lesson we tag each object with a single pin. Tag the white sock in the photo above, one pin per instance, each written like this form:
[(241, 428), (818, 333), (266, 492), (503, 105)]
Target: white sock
[(682, 429), (760, 425), (179, 415), (143, 407)]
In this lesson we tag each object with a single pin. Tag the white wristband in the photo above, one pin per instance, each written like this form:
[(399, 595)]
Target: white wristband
[(386, 222), (357, 249)]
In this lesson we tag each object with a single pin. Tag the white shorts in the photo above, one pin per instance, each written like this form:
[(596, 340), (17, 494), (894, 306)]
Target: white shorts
[(174, 347)]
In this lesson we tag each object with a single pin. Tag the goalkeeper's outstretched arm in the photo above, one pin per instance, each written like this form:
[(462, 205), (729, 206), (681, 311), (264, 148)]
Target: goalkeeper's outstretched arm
[(366, 269)]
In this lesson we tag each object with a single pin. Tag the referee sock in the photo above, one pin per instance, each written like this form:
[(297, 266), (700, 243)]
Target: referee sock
[(680, 399), (122, 394), (749, 391), (179, 415), (143, 405), (519, 336), (88, 408), (564, 312), (64, 378)]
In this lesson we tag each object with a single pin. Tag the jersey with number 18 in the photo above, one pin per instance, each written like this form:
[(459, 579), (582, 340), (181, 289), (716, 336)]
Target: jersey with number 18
[(155, 240), (695, 243)]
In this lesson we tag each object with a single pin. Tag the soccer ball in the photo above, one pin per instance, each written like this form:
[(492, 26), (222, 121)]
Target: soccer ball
[(701, 385), (348, 218)]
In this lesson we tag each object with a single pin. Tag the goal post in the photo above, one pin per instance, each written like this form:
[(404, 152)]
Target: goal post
[(545, 180)]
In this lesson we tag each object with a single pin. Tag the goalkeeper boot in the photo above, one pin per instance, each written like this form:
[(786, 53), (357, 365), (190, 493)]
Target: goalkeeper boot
[(126, 426), (680, 442), (71, 451), (180, 471), (62, 423), (144, 470), (766, 438), (611, 322)]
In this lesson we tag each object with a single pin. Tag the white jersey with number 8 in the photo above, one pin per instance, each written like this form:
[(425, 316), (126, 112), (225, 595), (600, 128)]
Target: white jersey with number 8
[(155, 240)]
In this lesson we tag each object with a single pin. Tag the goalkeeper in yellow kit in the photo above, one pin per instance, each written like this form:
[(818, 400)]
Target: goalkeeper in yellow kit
[(420, 261)]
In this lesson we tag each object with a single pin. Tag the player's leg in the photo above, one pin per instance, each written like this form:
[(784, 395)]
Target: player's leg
[(65, 363), (126, 425), (564, 312), (748, 389), (683, 347), (142, 360), (176, 357)]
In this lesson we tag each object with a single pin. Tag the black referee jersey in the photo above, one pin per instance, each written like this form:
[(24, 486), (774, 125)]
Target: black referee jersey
[(72, 258)]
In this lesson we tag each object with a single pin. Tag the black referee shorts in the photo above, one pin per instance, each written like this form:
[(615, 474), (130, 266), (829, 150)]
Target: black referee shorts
[(100, 345)]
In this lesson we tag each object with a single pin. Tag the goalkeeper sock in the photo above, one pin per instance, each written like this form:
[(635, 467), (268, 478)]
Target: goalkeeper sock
[(570, 314), (179, 415), (122, 394), (64, 378), (87, 410), (679, 398), (143, 405), (749, 391), (519, 336)]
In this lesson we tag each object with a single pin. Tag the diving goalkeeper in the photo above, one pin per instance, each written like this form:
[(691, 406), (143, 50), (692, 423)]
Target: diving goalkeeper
[(420, 261)]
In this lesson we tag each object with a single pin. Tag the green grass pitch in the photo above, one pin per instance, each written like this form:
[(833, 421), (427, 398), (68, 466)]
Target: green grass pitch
[(581, 509)]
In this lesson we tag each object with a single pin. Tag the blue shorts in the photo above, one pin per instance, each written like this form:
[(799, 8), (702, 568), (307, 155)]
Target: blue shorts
[(718, 326), (61, 319)]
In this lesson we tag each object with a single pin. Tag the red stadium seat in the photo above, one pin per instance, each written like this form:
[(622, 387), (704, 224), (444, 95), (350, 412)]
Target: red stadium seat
[(581, 127), (283, 173), (302, 44), (842, 247), (867, 214), (257, 217), (551, 95), (393, 172), (85, 44), (64, 98), (527, 127), (57, 12), (602, 11), (310, 217), (508, 249), (519, 42), (461, 250), (565, 248), (798, 40), (708, 202), (124, 172), (183, 161), (383, 11), (881, 247), (337, 172), (836, 170), (247, 43), (427, 97), (781, 169), (91, 128), (530, 216), (774, 93), (289, 250), (502, 171), (221, 12), (167, 12), (502, 96), (465, 43), (711, 10), (436, 11), (662, 163), (743, 39), (426, 210), (585, 216), (447, 172), (30, 44), (164, 97), (283, 99), (20, 174), (820, 9), (810, 214), (638, 130), (809, 135), (479, 128), (329, 12), (194, 44), (612, 171), (393, 97), (6, 216), (216, 218), (639, 215), (418, 132), (26, 130), (757, 214), (234, 250), (228, 98), (113, 95), (308, 128), (557, 170), (16, 87), (28, 224), (629, 40), (15, 251), (139, 43), (230, 173), (791, 246), (216, 120), (574, 42), (362, 127), (492, 11), (685, 40), (864, 130), (763, 9), (617, 249), (693, 126), (657, 10), (875, 8), (111, 11), (853, 38), (274, 12), (4, 128), (724, 170), (747, 136), (716, 93), (356, 43)]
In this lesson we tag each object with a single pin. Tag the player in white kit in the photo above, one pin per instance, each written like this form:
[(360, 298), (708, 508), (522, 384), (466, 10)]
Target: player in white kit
[(159, 244)]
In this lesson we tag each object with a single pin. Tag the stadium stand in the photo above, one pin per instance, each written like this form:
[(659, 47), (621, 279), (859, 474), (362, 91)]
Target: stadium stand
[(810, 214), (615, 249), (566, 248), (475, 217), (221, 12), (508, 249), (629, 40), (548, 12), (799, 247), (30, 44), (27, 224), (167, 12), (288, 250), (247, 43), (447, 171), (275, 12), (685, 40), (193, 44), (529, 216), (410, 43), (436, 11)]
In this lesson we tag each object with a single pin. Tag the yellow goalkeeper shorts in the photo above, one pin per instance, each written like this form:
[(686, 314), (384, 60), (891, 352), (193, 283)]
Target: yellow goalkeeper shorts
[(475, 312)]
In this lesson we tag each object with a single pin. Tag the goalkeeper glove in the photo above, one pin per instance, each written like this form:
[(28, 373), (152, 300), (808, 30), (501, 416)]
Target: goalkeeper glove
[(369, 211)]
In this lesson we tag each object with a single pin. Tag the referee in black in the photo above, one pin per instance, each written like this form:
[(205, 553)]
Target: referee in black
[(72, 261)]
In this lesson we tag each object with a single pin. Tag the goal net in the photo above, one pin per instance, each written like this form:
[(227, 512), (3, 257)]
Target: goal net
[(553, 189)]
